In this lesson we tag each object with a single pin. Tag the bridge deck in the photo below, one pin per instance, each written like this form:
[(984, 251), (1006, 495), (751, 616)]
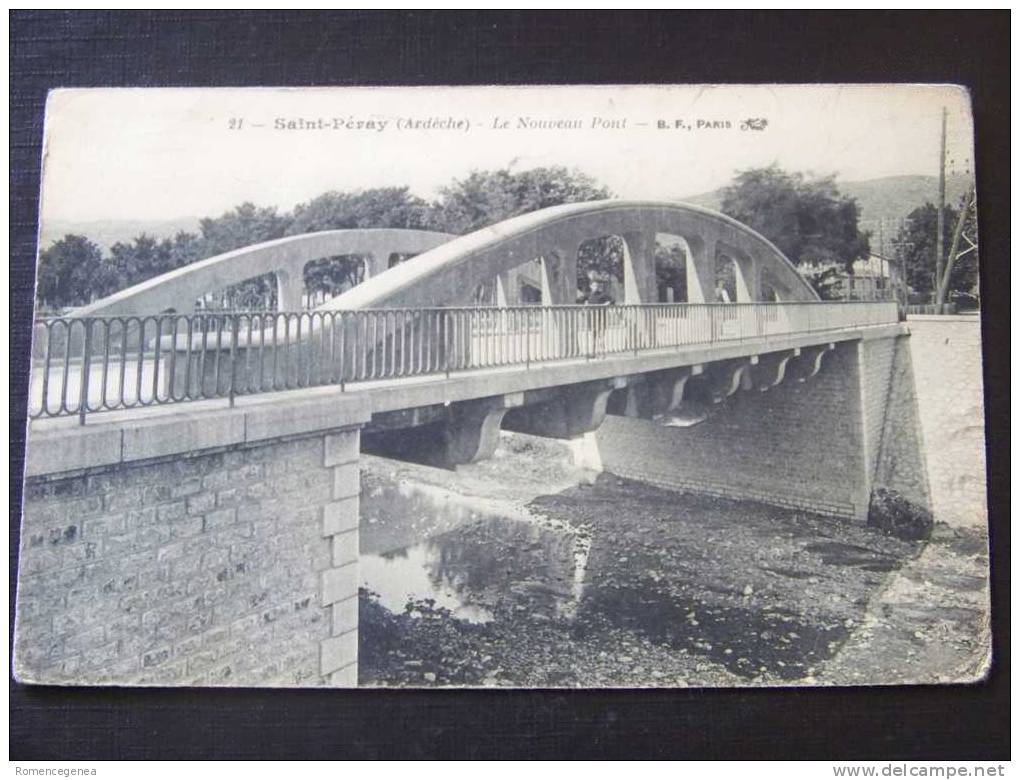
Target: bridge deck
[(100, 365), (395, 394)]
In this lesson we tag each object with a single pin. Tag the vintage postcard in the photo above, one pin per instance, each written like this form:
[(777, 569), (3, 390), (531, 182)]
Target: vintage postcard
[(522, 387)]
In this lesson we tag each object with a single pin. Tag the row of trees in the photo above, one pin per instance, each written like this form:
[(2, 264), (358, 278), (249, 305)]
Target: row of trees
[(807, 218), (74, 270), (915, 249), (817, 227)]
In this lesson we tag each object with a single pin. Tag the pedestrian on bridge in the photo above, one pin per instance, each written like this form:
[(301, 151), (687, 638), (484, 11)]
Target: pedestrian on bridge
[(598, 296)]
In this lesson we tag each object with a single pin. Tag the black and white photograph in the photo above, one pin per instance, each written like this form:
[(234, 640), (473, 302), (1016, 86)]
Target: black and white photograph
[(506, 387)]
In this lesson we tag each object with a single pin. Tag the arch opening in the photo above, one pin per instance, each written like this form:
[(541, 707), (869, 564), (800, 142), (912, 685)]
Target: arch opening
[(725, 278), (600, 268), (259, 293), (671, 258), (327, 277)]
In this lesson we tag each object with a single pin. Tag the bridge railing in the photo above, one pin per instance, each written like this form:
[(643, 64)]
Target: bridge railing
[(88, 365)]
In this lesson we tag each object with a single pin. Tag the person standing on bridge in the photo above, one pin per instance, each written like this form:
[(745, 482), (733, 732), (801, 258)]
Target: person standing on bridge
[(598, 296)]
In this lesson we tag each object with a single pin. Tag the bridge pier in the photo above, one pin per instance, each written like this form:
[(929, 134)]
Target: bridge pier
[(724, 378), (771, 369), (472, 429), (573, 411), (652, 395), (836, 428), (809, 363)]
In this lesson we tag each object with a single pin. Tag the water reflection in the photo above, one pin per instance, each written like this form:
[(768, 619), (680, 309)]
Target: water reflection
[(416, 573), (484, 566)]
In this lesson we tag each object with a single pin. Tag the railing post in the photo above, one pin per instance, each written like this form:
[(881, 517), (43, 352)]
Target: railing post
[(527, 339), (86, 369), (233, 358), (445, 315)]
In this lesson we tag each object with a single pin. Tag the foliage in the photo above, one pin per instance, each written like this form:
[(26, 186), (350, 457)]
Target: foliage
[(895, 515), (915, 247), (68, 270), (391, 207), (487, 197), (140, 259), (247, 224), (388, 207), (808, 219), (671, 270), (74, 271), (827, 282)]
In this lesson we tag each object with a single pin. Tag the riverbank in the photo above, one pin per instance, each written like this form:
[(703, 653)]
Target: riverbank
[(527, 571)]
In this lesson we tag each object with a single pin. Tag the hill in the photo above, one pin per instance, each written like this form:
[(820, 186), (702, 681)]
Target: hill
[(890, 198), (108, 232)]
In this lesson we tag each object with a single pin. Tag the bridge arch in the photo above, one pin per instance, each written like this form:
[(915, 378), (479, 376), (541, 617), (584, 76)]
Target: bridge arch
[(450, 274), (285, 257)]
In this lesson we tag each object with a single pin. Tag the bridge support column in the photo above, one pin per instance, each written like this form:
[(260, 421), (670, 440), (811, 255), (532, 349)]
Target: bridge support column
[(700, 270), (639, 268), (654, 395), (771, 368), (576, 410), (726, 377), (472, 428), (747, 271), (810, 361), (289, 289), (559, 276), (374, 264), (501, 285)]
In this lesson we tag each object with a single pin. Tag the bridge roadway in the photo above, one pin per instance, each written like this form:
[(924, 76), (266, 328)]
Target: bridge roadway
[(561, 398)]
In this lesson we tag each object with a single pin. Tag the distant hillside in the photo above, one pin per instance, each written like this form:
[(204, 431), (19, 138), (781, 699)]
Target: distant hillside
[(108, 232), (896, 196), (891, 198)]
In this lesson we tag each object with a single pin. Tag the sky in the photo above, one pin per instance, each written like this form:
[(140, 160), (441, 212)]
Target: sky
[(157, 154)]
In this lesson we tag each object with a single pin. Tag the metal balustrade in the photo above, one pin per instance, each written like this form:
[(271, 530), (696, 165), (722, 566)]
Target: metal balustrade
[(87, 365)]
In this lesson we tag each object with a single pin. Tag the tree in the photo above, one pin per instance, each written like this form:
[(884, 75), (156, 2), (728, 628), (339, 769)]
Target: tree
[(388, 207), (487, 197), (185, 248), (827, 282), (671, 270), (808, 219), (247, 224), (915, 244), (71, 272), (141, 259)]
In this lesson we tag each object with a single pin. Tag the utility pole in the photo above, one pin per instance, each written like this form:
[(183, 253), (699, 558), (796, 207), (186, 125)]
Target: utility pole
[(939, 217)]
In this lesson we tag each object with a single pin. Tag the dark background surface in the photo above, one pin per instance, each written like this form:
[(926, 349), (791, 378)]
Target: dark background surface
[(57, 49)]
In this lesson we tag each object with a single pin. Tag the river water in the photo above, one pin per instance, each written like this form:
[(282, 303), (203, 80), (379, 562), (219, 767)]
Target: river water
[(526, 571)]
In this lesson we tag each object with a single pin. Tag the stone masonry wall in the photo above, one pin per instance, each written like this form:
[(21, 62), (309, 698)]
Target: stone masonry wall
[(900, 462), (820, 445), (229, 567), (799, 444), (876, 360)]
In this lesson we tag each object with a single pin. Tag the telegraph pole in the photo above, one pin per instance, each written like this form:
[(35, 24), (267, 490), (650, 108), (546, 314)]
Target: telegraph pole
[(939, 217)]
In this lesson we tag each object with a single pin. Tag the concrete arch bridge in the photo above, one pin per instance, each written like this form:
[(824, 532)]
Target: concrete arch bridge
[(442, 352), (411, 324)]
